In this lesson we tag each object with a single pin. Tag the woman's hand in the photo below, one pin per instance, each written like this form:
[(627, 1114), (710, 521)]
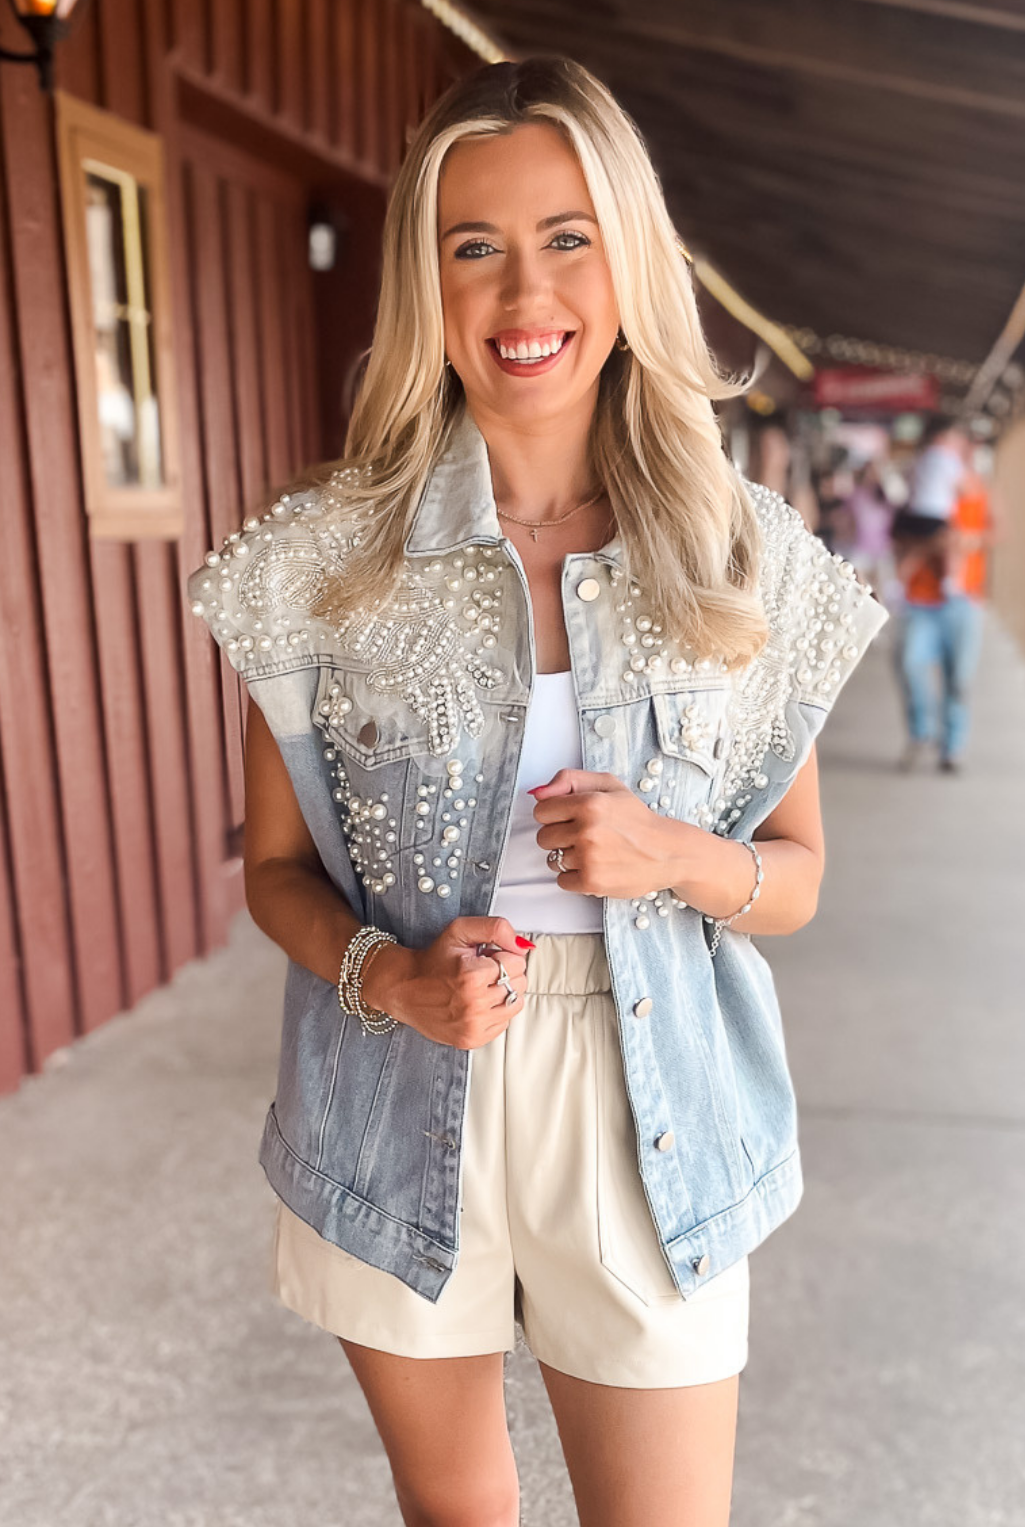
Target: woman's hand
[(447, 991), (614, 845)]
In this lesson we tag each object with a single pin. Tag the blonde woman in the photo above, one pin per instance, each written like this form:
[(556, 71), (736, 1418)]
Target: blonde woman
[(537, 682)]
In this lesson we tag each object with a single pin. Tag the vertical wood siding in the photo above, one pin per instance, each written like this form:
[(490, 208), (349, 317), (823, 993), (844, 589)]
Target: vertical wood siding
[(121, 727)]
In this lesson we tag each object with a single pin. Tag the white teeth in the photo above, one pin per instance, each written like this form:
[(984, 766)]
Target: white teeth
[(532, 351)]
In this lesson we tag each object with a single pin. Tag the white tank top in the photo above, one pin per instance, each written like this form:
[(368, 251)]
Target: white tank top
[(528, 893)]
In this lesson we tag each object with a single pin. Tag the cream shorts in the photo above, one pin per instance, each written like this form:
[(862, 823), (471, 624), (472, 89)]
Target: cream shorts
[(555, 1230)]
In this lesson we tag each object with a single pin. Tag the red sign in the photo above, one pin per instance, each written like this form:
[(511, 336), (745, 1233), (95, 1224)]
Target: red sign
[(867, 387)]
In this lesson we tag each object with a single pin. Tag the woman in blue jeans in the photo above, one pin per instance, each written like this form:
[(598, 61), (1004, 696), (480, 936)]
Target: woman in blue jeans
[(944, 636), (943, 579)]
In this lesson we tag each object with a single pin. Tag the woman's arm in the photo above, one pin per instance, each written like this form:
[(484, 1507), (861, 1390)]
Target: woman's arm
[(792, 847), (615, 845), (288, 891), (446, 991)]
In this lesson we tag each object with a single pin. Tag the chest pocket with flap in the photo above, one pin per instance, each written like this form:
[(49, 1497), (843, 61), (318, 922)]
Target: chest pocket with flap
[(693, 738), (369, 736)]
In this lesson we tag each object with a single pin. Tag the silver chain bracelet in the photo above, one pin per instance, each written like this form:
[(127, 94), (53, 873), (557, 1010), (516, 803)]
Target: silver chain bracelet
[(724, 922), (350, 979)]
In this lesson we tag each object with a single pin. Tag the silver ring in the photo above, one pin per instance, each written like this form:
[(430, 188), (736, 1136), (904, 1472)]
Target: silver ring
[(555, 860), (511, 994)]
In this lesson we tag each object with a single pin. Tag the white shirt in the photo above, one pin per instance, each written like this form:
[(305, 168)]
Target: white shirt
[(935, 482), (528, 893)]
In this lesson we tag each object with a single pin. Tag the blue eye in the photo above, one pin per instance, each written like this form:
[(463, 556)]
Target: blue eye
[(467, 251), (463, 249)]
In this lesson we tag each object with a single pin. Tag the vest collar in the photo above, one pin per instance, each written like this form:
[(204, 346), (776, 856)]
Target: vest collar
[(457, 505)]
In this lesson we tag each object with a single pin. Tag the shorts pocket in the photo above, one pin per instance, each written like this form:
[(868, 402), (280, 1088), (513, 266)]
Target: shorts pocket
[(627, 1238)]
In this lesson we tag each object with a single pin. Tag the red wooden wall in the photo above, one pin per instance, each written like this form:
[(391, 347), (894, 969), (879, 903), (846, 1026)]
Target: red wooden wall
[(120, 725)]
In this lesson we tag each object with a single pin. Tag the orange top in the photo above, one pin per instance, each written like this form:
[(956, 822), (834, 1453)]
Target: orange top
[(971, 514)]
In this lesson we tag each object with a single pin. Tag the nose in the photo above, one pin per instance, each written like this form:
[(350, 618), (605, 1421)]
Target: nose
[(524, 282)]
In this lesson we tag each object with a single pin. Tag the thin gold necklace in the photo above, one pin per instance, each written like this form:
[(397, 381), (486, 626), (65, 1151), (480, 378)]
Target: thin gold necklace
[(535, 525)]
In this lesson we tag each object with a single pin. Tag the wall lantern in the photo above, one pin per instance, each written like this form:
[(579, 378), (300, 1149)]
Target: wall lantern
[(47, 22)]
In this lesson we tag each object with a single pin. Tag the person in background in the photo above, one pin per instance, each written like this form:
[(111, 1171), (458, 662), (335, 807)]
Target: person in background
[(772, 464), (778, 462), (871, 516), (941, 621), (831, 490), (937, 478)]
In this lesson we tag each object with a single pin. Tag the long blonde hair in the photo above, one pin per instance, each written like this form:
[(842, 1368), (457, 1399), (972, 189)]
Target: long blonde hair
[(690, 535)]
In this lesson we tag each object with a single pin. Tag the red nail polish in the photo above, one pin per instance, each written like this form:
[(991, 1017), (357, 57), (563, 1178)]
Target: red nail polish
[(535, 789), (525, 943)]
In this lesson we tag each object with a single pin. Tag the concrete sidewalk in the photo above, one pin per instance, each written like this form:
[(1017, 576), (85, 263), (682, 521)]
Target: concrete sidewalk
[(149, 1379)]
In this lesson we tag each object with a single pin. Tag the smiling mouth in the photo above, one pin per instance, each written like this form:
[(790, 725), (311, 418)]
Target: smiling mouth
[(531, 353)]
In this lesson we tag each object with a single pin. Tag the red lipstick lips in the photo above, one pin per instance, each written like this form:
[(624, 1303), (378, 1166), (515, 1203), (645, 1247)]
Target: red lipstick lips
[(528, 367)]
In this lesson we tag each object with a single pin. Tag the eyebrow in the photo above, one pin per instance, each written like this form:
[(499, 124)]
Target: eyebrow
[(546, 222)]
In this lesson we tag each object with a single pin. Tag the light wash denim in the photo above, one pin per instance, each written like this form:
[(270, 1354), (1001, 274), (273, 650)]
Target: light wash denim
[(938, 648), (401, 729)]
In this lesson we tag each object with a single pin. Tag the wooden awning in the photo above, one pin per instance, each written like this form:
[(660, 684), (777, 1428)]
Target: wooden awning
[(853, 168)]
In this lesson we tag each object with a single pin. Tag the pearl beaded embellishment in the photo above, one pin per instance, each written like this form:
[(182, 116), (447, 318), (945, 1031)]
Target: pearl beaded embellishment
[(435, 871), (435, 644), (812, 599), (421, 652), (647, 647), (370, 832), (432, 646)]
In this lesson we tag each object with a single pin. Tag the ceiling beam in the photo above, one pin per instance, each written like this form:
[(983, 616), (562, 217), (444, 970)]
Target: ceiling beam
[(992, 367), (868, 79), (805, 38), (958, 10)]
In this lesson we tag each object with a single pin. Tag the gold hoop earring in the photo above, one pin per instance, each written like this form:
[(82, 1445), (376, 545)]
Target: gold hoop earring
[(622, 343)]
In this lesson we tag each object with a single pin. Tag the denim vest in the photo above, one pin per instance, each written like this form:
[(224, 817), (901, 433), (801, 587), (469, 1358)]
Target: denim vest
[(401, 729)]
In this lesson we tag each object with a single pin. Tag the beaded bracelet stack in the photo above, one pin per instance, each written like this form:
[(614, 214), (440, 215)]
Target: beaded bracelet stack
[(724, 922), (350, 979)]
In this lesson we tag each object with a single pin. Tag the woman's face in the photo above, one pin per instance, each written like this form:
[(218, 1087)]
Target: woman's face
[(523, 269)]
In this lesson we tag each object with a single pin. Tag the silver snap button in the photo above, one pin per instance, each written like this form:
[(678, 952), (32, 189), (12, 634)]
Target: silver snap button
[(605, 726), (588, 589), (643, 1007), (701, 1265), (665, 1142)]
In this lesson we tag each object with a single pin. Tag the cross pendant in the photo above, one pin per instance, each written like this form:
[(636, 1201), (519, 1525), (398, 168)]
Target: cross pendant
[(534, 533)]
